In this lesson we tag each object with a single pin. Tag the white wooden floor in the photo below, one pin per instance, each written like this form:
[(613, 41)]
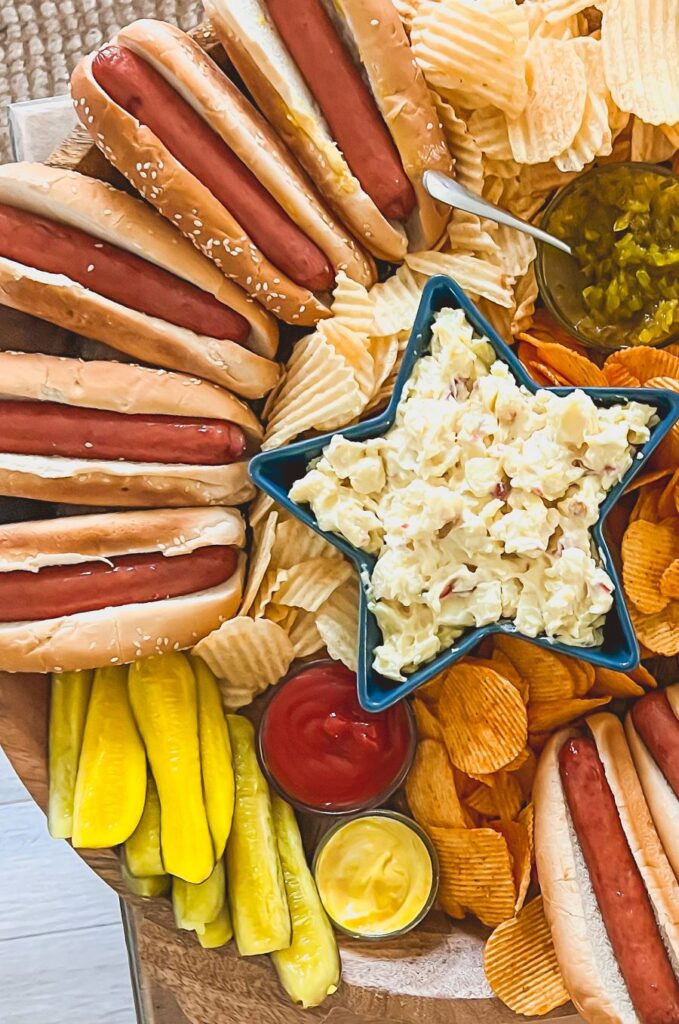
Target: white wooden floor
[(62, 951)]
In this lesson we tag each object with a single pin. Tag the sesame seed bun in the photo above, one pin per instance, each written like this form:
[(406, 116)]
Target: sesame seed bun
[(123, 634), (117, 218), (149, 166), (378, 40)]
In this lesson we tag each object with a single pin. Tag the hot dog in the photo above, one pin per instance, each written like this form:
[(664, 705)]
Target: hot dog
[(87, 591), (107, 433), (196, 149), (339, 83), (610, 896), (83, 255), (118, 275), (652, 728)]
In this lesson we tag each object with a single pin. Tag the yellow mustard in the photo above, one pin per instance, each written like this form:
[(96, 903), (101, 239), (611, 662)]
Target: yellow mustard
[(374, 875)]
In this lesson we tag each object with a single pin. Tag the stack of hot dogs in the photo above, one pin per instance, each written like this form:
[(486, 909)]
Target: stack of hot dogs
[(256, 213), (607, 850)]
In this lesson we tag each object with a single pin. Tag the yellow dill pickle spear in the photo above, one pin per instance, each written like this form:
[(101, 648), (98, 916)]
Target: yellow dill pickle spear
[(259, 906), (218, 932), (147, 886), (197, 905), (69, 698), (309, 970), (142, 849), (215, 756), (110, 788), (164, 699)]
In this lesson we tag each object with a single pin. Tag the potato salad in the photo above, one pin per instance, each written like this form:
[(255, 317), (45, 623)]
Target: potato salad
[(478, 502)]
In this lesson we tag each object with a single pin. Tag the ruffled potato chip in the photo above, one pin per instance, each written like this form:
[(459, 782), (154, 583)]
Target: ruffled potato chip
[(337, 623), (547, 715), (247, 656), (644, 363), (396, 303), (640, 41), (476, 872), (473, 274), (489, 127), (471, 53), (308, 585), (260, 557), (647, 550), (669, 582), (430, 788), (609, 683), (428, 725), (659, 632), (594, 136), (520, 847), (352, 305), (521, 966), (462, 145), (548, 677), (576, 369), (650, 143), (483, 718), (557, 95), (304, 635), (296, 542), (501, 798)]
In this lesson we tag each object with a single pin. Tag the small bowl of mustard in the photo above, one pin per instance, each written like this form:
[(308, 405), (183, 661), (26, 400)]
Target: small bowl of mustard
[(620, 287), (377, 874)]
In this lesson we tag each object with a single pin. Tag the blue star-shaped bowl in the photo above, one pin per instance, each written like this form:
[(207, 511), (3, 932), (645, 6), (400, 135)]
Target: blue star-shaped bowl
[(276, 471)]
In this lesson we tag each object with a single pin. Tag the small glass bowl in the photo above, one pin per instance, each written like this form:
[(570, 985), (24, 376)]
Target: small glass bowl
[(375, 801), (560, 280), (429, 902)]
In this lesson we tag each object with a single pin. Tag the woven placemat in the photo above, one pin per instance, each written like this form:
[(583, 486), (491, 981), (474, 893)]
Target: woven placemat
[(42, 40)]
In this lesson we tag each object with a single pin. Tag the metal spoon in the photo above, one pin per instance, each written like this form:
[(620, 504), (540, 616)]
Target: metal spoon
[(441, 187)]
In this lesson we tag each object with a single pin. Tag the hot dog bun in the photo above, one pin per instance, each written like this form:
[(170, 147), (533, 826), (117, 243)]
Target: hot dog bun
[(150, 167), (661, 798), (123, 634), (583, 949), (378, 39), (121, 388), (112, 216)]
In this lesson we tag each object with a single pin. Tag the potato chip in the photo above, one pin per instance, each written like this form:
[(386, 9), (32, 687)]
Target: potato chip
[(260, 556), (354, 349), (476, 872), (517, 251), (646, 507), (641, 675), (526, 774), (467, 233), (285, 617), (483, 718), (618, 376), (521, 966), (430, 788), (545, 375), (650, 143), (462, 145), (428, 726), (669, 582), (506, 667), (527, 819), (352, 306), (641, 58), (547, 676), (666, 502), (296, 542), (471, 273), (659, 631), (384, 350), (582, 672), (647, 550), (247, 656), (501, 168), (309, 584), (304, 635), (594, 136), (520, 847), (488, 126), (272, 582), (337, 623), (471, 53), (396, 301), (650, 477), (260, 508), (430, 692), (320, 392), (645, 363), (546, 715), (557, 94), (608, 683), (578, 370)]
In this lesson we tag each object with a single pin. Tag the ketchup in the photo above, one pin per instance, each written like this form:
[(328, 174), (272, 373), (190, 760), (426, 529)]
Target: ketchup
[(323, 751)]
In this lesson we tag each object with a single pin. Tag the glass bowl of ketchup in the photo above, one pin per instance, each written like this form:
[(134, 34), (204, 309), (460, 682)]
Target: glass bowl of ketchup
[(323, 753)]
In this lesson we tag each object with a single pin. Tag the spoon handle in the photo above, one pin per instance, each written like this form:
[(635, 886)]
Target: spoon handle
[(443, 188)]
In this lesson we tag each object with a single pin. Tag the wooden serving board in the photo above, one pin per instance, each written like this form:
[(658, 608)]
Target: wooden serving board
[(432, 975)]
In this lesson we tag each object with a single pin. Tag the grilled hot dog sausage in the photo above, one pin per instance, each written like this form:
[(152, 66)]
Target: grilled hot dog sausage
[(116, 274), (46, 428), (618, 885), (140, 90), (658, 727), (346, 103), (60, 590)]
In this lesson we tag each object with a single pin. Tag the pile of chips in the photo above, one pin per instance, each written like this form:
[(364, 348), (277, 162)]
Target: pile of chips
[(645, 525), (301, 598), (481, 725)]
